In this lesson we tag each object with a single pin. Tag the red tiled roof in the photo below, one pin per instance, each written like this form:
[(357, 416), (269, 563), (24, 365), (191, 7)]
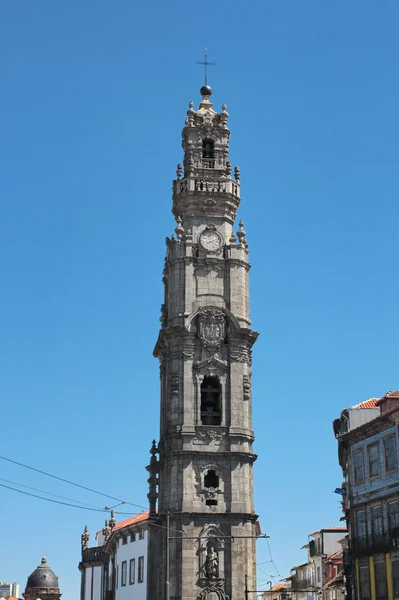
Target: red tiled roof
[(143, 516), (370, 403), (278, 587)]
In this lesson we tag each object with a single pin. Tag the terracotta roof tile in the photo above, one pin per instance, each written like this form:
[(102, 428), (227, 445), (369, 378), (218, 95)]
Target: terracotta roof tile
[(143, 516), (277, 587), (370, 403)]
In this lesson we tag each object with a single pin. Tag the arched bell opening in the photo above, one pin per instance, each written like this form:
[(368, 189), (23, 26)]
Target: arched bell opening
[(208, 149), (211, 401)]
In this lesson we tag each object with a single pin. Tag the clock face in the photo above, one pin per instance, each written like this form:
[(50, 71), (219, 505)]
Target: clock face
[(210, 240)]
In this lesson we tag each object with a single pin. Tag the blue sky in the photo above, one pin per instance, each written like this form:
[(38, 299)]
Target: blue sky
[(93, 100)]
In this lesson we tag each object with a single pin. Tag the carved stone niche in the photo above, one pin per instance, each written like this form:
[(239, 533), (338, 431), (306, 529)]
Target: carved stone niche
[(211, 559), (215, 592)]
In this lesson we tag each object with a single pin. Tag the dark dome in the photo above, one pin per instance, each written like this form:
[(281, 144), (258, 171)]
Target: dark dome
[(206, 90), (43, 576)]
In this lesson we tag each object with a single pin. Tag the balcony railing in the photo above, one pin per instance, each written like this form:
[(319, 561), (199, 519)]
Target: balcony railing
[(208, 163), (376, 542), (95, 554), (302, 584)]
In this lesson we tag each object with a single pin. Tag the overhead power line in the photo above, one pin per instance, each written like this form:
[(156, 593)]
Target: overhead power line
[(83, 487), (51, 500), (271, 559), (28, 487)]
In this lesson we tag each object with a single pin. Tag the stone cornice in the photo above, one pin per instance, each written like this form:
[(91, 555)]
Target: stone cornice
[(246, 456)]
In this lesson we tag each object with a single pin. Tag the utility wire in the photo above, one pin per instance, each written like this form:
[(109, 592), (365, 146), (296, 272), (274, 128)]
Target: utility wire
[(271, 558), (50, 499), (83, 487), (28, 487)]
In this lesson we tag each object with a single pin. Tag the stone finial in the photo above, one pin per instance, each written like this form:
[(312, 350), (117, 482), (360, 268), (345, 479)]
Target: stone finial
[(179, 229), (237, 173), (241, 233), (179, 171), (85, 538), (191, 114), (153, 469), (228, 168), (106, 531), (233, 238), (112, 521), (224, 115), (44, 560)]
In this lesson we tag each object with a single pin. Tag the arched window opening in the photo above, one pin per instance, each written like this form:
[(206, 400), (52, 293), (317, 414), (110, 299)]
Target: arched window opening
[(211, 480), (207, 149), (210, 401), (208, 154)]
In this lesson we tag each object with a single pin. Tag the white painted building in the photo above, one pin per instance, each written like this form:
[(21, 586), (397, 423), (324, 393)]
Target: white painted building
[(309, 579), (116, 567), (9, 589)]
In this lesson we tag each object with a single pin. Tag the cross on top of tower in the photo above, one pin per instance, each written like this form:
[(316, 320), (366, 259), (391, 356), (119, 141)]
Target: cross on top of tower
[(206, 63)]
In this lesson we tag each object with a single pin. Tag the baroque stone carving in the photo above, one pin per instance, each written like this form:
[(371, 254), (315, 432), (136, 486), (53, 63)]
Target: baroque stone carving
[(246, 387), (241, 354), (85, 538), (212, 592), (212, 328), (174, 384), (210, 434), (212, 563)]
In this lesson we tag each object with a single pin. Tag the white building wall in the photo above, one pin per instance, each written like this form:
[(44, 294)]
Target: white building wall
[(331, 542), (97, 583), (127, 552), (88, 581), (359, 416)]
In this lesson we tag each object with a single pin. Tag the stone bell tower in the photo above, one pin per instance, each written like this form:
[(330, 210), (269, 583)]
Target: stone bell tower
[(205, 467)]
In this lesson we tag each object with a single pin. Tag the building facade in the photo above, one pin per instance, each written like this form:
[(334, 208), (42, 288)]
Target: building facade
[(116, 568), (204, 347), (9, 589), (314, 579), (369, 459)]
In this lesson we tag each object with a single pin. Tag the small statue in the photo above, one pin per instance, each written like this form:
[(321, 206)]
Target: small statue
[(212, 563), (85, 538)]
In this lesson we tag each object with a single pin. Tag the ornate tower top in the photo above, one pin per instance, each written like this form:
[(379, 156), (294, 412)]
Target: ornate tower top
[(205, 185)]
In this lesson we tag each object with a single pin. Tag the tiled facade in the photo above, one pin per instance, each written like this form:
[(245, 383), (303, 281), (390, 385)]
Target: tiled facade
[(369, 458)]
